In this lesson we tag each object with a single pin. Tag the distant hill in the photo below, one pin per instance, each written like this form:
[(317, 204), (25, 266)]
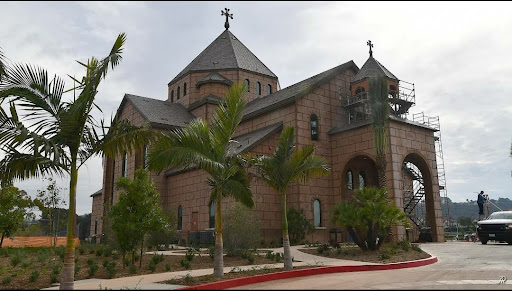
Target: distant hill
[(470, 208)]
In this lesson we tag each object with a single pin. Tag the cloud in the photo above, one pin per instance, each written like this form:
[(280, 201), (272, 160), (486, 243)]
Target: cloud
[(455, 53)]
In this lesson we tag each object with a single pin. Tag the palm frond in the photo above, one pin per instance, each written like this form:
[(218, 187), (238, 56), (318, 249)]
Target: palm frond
[(380, 112), (20, 166), (2, 65)]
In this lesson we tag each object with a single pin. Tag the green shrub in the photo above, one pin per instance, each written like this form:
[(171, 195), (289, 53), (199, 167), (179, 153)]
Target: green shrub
[(25, 264), (99, 252), (278, 258), (320, 249), (90, 262), (93, 268), (211, 253), (33, 276), (298, 225), (115, 255), (185, 263), (107, 252), (91, 251), (15, 259), (270, 255), (105, 263), (56, 270), (152, 266), (190, 255), (6, 280), (416, 248), (111, 269), (127, 259), (133, 269), (384, 256), (405, 245), (42, 256), (77, 269), (81, 250), (241, 230), (167, 267), (137, 257), (53, 278), (250, 258)]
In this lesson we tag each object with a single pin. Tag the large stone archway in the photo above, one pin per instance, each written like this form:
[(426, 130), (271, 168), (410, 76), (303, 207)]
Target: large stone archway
[(419, 193), (357, 165)]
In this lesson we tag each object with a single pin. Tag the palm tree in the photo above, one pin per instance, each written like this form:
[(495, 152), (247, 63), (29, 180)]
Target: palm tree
[(2, 65), (288, 165), (380, 115), (53, 136), (210, 148)]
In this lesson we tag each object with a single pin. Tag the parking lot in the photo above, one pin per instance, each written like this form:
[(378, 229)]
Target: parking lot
[(461, 265)]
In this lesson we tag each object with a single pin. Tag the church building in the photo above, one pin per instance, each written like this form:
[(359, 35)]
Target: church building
[(329, 110)]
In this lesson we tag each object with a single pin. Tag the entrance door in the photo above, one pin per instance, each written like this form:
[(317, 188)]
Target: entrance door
[(194, 221)]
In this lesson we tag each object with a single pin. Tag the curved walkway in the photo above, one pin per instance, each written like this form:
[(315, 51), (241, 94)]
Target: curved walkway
[(150, 281)]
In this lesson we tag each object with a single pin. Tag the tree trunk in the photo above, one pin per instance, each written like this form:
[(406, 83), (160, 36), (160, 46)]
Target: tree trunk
[(356, 239), (2, 241), (381, 169), (141, 246), (68, 271), (286, 239), (218, 264)]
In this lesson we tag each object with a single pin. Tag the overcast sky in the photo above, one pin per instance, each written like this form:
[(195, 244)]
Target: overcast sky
[(456, 53)]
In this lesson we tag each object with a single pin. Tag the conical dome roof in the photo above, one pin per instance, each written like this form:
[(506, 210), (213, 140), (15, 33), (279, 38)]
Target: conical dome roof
[(372, 68)]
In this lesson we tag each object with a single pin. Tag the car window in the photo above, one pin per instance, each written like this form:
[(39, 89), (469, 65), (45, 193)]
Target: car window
[(501, 215)]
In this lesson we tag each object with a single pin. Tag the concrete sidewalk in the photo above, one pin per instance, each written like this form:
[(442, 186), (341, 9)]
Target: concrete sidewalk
[(149, 281)]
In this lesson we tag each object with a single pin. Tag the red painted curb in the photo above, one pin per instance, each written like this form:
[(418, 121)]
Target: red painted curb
[(308, 272)]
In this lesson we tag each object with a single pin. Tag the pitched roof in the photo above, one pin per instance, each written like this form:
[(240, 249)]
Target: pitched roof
[(348, 127), (226, 52), (289, 94), (99, 192), (159, 112), (214, 78), (244, 143), (372, 68)]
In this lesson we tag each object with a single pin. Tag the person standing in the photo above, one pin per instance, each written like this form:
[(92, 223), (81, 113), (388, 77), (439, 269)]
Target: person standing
[(480, 201)]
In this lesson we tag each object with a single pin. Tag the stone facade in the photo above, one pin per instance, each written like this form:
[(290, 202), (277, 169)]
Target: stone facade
[(346, 147)]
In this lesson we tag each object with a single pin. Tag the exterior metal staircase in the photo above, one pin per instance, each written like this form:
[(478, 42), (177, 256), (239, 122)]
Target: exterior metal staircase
[(413, 197)]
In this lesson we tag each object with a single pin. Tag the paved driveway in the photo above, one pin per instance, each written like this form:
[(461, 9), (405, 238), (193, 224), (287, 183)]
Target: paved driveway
[(461, 265)]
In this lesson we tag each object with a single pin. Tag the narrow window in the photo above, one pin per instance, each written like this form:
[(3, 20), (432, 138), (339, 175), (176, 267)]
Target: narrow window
[(269, 89), (185, 89), (145, 157), (178, 93), (258, 88), (125, 164), (359, 90), (247, 84), (95, 226), (350, 180), (314, 127), (172, 96), (317, 215), (212, 214), (180, 217), (362, 182)]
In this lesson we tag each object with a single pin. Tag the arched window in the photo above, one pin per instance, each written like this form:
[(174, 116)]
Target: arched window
[(362, 180), (180, 217), (112, 182), (258, 88), (392, 90), (247, 84), (184, 89), (95, 226), (269, 89), (350, 180), (359, 90), (125, 164), (172, 95), (145, 157), (178, 93), (212, 214), (314, 126), (317, 214)]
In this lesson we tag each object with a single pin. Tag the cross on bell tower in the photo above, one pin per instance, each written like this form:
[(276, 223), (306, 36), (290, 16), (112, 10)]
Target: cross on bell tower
[(226, 12), (369, 43)]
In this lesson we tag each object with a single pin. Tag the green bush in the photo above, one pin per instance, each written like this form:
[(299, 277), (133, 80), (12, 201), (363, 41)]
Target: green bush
[(77, 269), (241, 230), (93, 268), (278, 258), (211, 253), (6, 280), (127, 259), (81, 250), (270, 255), (25, 264), (15, 259), (53, 278), (320, 249), (152, 266), (90, 262), (111, 269), (185, 263), (416, 248), (405, 245), (167, 267), (99, 252), (115, 255), (190, 254), (33, 276), (42, 256), (384, 256), (107, 252), (251, 258), (105, 263), (56, 269), (133, 269), (298, 225)]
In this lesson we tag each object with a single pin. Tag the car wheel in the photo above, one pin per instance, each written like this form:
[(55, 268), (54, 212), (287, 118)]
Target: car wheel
[(484, 242)]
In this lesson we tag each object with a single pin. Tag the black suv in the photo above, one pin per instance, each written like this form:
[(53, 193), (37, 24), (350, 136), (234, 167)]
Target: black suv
[(497, 227)]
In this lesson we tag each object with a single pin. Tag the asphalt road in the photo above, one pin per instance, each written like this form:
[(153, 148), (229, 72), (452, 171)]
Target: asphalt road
[(461, 265)]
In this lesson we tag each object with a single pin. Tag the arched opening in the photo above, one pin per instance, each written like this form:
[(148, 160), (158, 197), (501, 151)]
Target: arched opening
[(350, 180), (419, 199), (314, 126), (178, 93), (317, 213), (258, 88), (180, 217), (269, 89), (359, 90), (125, 164), (247, 84), (172, 96), (362, 180), (184, 89), (360, 164)]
